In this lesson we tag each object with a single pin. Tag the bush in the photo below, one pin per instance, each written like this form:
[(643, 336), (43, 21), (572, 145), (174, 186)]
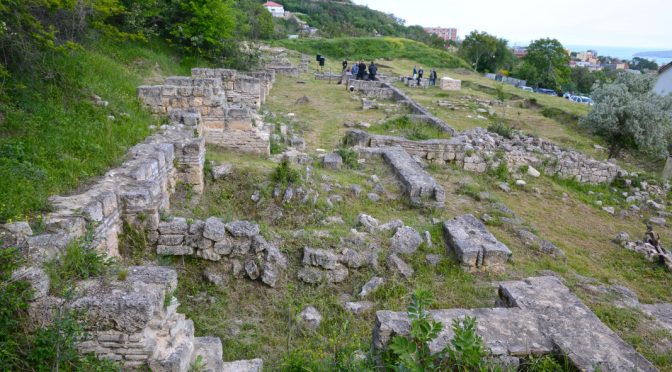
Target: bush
[(285, 174), (464, 353), (350, 157), (501, 129), (501, 172)]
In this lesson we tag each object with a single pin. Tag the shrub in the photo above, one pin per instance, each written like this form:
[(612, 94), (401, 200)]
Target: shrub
[(464, 353), (501, 129), (285, 174), (350, 157), (500, 172)]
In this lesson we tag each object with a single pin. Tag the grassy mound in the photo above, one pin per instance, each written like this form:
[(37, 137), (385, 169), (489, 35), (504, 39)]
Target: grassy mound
[(53, 135), (370, 48)]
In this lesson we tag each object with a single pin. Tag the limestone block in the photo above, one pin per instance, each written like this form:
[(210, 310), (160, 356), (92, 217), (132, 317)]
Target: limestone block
[(474, 245)]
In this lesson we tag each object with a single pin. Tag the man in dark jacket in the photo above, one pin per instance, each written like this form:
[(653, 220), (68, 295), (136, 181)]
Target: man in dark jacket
[(420, 73), (373, 69), (362, 70)]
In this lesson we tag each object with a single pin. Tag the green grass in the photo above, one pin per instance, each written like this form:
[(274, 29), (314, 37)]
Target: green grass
[(52, 135), (404, 126), (377, 48)]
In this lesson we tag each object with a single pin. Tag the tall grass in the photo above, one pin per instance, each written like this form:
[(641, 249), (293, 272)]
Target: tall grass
[(52, 134)]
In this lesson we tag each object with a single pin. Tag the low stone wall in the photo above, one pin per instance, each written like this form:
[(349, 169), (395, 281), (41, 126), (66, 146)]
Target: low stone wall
[(237, 245), (478, 150), (529, 326), (421, 188), (370, 89), (227, 102)]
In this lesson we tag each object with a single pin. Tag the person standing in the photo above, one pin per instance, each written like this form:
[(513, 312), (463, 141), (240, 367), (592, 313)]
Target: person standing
[(421, 72), (355, 70), (362, 70), (345, 65), (432, 77), (415, 73), (373, 70)]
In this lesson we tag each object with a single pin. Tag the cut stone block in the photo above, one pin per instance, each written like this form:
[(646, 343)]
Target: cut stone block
[(474, 245)]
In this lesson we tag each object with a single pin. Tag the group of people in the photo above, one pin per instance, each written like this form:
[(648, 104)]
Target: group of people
[(418, 74), (359, 71)]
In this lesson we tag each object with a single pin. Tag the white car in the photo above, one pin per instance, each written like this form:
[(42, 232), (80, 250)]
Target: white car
[(582, 99), (526, 88)]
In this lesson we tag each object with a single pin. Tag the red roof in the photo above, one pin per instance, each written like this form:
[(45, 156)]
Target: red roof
[(272, 4)]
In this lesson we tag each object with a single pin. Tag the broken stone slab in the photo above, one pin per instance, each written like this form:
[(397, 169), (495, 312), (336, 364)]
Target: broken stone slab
[(396, 264), (332, 161), (406, 240), (221, 171), (542, 317), (310, 318), (315, 275), (242, 229), (253, 365), (320, 258), (209, 351), (371, 286), (475, 247), (358, 308)]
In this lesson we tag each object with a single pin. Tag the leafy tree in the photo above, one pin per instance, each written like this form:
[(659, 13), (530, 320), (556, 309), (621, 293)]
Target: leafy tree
[(629, 115), (582, 80), (253, 20), (643, 64), (546, 64), (478, 46), (201, 26)]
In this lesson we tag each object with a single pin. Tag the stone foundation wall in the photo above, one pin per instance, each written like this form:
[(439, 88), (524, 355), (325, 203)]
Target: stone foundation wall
[(134, 192), (238, 246), (478, 150), (227, 102), (448, 83)]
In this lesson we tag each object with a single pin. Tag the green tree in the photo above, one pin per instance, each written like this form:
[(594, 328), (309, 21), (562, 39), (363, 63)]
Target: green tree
[(643, 64), (253, 20), (201, 26), (629, 115), (478, 47), (581, 79), (546, 64)]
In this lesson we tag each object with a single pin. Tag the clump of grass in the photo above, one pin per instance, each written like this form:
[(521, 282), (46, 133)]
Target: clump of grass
[(285, 174), (500, 172), (501, 129), (473, 190), (350, 157), (77, 263), (404, 126)]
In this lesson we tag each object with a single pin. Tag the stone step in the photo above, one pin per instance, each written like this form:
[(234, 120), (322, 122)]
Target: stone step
[(253, 365), (172, 356)]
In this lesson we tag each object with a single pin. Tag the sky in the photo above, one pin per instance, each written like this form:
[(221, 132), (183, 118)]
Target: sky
[(617, 23)]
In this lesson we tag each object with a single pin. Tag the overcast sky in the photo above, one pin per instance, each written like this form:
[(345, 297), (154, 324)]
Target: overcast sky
[(639, 23)]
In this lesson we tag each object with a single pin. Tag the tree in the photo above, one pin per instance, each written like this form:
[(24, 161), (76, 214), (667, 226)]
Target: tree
[(546, 64), (643, 64), (201, 25), (629, 115), (477, 47)]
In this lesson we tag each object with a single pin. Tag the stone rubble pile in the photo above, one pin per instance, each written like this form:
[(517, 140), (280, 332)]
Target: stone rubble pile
[(540, 316), (237, 245), (651, 253)]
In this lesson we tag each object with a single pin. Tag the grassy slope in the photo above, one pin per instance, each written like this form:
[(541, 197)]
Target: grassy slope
[(376, 48), (53, 137)]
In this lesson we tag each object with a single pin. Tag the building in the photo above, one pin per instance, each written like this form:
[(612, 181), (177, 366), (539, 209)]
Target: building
[(664, 83), (277, 10), (447, 34), (520, 52)]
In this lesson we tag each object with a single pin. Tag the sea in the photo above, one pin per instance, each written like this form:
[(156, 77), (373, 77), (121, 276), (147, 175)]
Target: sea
[(621, 52)]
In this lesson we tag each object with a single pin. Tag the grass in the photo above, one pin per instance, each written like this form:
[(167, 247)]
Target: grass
[(404, 126), (376, 48), (53, 137)]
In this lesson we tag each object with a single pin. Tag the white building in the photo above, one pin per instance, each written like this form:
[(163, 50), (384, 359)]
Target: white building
[(277, 10), (664, 83)]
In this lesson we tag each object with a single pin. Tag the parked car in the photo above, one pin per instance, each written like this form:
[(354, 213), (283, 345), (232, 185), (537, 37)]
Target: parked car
[(550, 92), (582, 99), (526, 88)]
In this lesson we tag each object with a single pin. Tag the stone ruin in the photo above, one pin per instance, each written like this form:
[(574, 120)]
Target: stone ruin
[(475, 247), (126, 319), (226, 100), (478, 150), (538, 316), (238, 246), (448, 83)]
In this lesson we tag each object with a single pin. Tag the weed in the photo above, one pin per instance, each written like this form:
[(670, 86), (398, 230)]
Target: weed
[(350, 157), (501, 129), (122, 275), (285, 174), (500, 172), (414, 130), (473, 190), (77, 263), (198, 365), (132, 243)]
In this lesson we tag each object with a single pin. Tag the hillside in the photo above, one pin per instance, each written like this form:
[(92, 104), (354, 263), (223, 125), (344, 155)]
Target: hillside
[(344, 18), (371, 48)]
